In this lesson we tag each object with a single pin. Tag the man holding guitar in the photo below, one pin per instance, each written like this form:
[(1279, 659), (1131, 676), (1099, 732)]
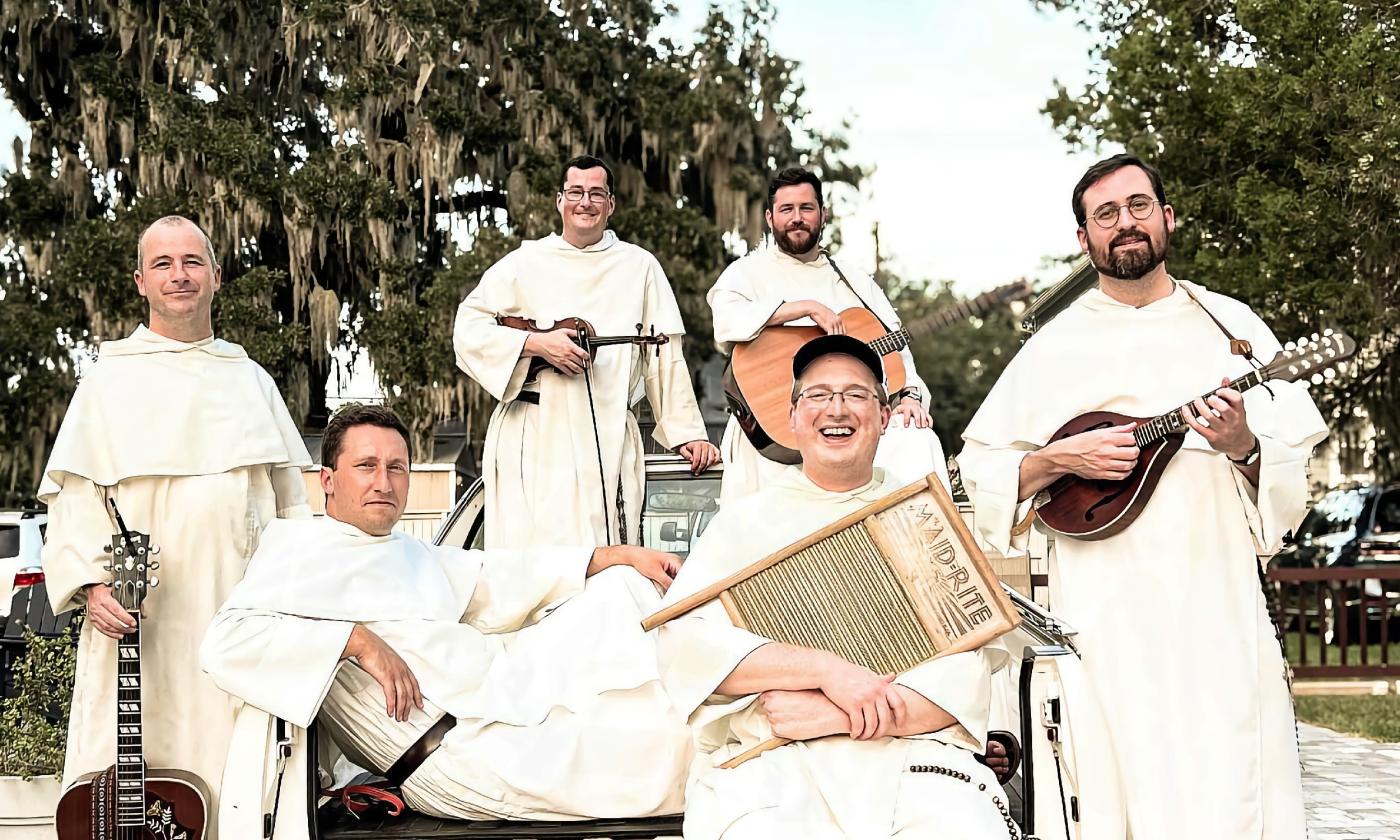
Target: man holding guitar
[(563, 456), (191, 439), (1159, 573), (792, 280)]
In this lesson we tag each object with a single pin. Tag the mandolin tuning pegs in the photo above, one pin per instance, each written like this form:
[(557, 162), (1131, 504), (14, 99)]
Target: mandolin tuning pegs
[(155, 549), (153, 581), (1316, 379), (155, 564), (1329, 374), (1327, 333), (1290, 346), (1316, 336)]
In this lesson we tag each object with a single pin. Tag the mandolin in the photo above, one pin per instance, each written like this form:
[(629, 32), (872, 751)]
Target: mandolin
[(585, 336), (129, 801), (758, 381), (1094, 508)]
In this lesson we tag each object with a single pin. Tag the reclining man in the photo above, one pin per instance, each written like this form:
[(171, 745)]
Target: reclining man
[(564, 719), (873, 756)]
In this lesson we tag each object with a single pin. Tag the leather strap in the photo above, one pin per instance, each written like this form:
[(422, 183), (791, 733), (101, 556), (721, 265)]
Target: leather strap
[(415, 755), (531, 397), (1238, 346)]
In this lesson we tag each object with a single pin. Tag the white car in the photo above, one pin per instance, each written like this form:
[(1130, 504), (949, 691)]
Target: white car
[(21, 539)]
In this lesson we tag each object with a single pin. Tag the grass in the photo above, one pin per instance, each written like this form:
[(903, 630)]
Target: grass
[(1374, 717), (1334, 653)]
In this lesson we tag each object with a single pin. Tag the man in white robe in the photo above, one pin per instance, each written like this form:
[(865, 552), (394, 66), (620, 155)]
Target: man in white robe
[(792, 280), (562, 462), (384, 635), (193, 442), (1175, 637), (871, 757)]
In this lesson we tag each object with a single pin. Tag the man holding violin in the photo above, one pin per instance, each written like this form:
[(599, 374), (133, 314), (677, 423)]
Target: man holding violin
[(564, 331)]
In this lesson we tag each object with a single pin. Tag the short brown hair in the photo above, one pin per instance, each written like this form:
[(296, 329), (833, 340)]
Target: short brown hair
[(351, 415), (1104, 168)]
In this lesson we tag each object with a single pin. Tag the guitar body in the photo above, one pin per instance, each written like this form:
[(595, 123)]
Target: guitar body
[(177, 808), (1094, 509), (758, 383)]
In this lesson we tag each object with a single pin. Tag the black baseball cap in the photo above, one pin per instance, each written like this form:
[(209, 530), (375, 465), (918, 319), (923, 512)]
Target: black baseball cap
[(844, 344)]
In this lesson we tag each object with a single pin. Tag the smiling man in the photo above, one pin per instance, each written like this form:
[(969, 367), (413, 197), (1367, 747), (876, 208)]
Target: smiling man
[(562, 461), (792, 280), (193, 442), (873, 755), (512, 684), (1173, 630)]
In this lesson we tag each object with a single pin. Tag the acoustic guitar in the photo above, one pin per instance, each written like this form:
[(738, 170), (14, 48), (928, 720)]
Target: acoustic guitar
[(758, 380), (585, 336), (1094, 508), (129, 801)]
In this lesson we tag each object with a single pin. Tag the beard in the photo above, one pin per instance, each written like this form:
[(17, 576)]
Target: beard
[(789, 244), (1125, 264)]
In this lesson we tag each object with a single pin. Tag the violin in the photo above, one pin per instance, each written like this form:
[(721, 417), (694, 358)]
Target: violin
[(585, 336)]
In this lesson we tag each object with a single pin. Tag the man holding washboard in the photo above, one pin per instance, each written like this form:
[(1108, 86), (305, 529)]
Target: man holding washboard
[(873, 755)]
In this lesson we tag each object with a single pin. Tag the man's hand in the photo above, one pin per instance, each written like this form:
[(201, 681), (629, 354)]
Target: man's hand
[(915, 417), (657, 566), (802, 715), (996, 759), (823, 317), (558, 348), (1220, 420), (700, 453), (1110, 453), (105, 613), (380, 661), (869, 701)]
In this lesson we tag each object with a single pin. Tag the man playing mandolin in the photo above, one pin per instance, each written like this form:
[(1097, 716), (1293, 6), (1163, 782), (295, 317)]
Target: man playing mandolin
[(562, 461), (1175, 637), (792, 280)]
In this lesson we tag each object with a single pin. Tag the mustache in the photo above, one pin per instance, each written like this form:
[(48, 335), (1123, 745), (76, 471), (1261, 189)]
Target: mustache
[(1129, 236)]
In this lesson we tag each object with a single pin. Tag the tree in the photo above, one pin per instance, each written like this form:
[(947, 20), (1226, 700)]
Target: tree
[(1274, 125), (337, 153)]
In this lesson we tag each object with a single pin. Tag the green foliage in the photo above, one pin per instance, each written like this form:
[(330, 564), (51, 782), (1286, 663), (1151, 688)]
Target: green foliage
[(1373, 717), (331, 148), (960, 362), (34, 723), (1273, 123)]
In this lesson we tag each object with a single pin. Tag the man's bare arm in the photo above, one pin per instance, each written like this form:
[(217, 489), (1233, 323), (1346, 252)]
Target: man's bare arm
[(862, 695)]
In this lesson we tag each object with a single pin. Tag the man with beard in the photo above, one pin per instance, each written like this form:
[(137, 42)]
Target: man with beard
[(792, 280), (562, 462), (1141, 344)]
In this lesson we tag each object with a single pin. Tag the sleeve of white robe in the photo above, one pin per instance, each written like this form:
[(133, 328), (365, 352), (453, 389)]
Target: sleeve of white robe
[(740, 312), (290, 490), (960, 685), (487, 351), (516, 588), (672, 395), (72, 557), (282, 664)]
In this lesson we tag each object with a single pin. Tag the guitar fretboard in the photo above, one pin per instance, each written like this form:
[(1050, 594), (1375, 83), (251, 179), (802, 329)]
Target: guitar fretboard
[(1171, 422), (131, 770), (893, 342)]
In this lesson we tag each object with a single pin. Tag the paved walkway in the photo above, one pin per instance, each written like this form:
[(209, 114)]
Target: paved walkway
[(1351, 786)]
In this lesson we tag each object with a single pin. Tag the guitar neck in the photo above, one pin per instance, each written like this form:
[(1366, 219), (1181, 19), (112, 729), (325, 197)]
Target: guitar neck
[(1172, 422), (131, 766), (895, 341)]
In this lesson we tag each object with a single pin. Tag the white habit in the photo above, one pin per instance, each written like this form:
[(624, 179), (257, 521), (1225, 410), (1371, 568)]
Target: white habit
[(743, 299), (195, 445), (541, 462), (829, 787), (563, 719), (1175, 637)]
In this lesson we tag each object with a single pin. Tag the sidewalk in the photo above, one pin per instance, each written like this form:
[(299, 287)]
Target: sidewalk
[(1351, 786)]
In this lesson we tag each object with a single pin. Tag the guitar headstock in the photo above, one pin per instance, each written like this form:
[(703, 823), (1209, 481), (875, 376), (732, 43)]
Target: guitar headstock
[(133, 558), (1013, 292), (1312, 357)]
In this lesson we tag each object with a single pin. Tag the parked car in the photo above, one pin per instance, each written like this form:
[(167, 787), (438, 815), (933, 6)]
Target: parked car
[(678, 508), (1350, 527), (24, 602)]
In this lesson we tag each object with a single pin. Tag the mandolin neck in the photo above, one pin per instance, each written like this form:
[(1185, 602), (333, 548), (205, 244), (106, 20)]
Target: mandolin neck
[(1173, 422), (131, 766)]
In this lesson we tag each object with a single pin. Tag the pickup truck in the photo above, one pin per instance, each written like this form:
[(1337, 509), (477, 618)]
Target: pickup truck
[(1028, 699)]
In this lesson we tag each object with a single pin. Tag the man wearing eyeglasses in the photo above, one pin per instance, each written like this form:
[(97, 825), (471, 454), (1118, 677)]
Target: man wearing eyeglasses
[(792, 280), (562, 463), (1176, 641)]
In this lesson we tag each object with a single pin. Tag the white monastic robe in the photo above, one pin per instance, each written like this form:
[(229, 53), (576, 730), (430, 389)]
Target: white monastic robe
[(743, 299), (195, 445), (1175, 637), (563, 719), (541, 462), (828, 787)]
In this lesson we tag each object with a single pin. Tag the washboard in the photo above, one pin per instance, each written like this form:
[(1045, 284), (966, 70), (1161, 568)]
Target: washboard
[(894, 584)]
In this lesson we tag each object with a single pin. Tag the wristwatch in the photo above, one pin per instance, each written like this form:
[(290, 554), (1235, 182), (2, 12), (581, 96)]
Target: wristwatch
[(911, 391), (1250, 457)]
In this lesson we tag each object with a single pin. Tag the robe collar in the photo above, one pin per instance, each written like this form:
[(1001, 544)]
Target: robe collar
[(1097, 300), (794, 480), (144, 340), (771, 250), (555, 242)]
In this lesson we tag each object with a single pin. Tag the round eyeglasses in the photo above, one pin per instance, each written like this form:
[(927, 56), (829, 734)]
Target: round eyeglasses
[(1139, 207)]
